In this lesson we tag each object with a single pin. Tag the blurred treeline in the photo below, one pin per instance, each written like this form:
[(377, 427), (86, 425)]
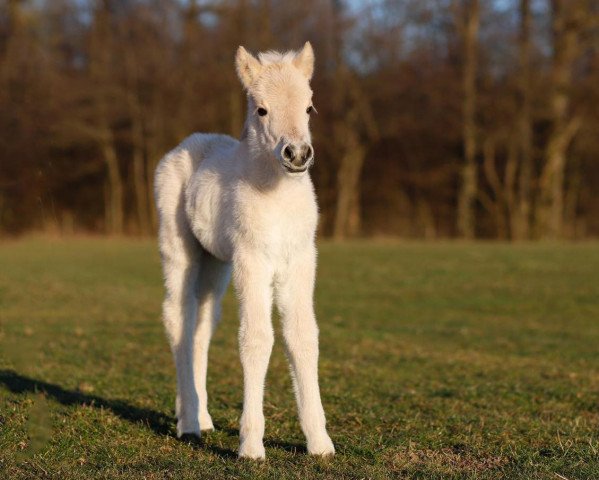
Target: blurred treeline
[(437, 118)]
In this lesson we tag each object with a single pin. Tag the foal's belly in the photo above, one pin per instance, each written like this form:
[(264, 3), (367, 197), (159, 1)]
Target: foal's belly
[(216, 244)]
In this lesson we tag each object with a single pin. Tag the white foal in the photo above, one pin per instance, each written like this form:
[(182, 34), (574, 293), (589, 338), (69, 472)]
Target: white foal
[(246, 206)]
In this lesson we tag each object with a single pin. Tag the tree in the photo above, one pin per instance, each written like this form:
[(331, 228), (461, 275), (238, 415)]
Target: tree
[(353, 131), (468, 25), (521, 213), (101, 48), (436, 118), (567, 19)]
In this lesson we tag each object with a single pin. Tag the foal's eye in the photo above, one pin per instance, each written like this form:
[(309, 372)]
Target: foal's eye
[(262, 111), (310, 109)]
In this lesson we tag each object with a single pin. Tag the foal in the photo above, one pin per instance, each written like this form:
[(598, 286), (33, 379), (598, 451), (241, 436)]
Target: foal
[(249, 207)]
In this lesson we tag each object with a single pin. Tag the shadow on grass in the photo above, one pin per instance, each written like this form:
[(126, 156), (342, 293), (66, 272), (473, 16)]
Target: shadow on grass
[(158, 422), (199, 444), (293, 448)]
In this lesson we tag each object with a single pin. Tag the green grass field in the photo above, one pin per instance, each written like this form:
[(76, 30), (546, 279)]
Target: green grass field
[(437, 361)]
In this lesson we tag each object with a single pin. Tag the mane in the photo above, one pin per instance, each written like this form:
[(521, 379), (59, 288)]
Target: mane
[(273, 57)]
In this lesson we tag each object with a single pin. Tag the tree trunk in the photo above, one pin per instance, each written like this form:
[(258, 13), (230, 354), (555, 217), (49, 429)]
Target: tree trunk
[(139, 174), (565, 50), (137, 144), (103, 95), (154, 145), (521, 215), (353, 132), (141, 196), (115, 188), (425, 219), (347, 210), (511, 195), (551, 202), (468, 187), (571, 200)]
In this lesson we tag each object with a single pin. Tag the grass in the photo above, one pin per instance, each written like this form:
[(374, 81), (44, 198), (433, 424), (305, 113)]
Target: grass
[(438, 361)]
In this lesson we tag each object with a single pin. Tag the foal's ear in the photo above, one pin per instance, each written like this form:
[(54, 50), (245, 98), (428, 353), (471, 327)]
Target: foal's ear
[(248, 67), (304, 61)]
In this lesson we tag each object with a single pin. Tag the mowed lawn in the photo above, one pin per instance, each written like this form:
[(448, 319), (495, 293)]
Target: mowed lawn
[(437, 361)]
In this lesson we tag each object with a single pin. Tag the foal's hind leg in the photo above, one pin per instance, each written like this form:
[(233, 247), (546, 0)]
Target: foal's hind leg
[(181, 257), (213, 281)]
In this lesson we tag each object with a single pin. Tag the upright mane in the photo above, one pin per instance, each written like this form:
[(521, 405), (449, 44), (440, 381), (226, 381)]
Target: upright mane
[(272, 57)]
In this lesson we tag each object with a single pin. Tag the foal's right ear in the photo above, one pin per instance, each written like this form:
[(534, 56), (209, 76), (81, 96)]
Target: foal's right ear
[(248, 67)]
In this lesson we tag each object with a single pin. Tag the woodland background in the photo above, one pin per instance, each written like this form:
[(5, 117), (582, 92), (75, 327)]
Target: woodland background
[(437, 118)]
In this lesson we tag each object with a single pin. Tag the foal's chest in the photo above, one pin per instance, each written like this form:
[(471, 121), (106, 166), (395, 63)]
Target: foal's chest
[(281, 220)]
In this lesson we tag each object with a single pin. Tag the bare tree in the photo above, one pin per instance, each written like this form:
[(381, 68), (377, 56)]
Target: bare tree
[(521, 214), (567, 19), (353, 131), (468, 25), (99, 128), (137, 143), (407, 143)]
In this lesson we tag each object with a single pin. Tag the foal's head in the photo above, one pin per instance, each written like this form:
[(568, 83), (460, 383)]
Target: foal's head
[(279, 105)]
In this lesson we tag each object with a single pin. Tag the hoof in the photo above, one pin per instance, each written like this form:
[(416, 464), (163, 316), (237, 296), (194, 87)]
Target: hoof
[(206, 424), (252, 451), (188, 430), (322, 447)]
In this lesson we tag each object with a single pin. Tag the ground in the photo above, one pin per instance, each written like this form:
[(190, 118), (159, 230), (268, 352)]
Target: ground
[(438, 361)]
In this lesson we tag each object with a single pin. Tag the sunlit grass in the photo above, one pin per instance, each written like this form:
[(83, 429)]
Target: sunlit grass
[(437, 361)]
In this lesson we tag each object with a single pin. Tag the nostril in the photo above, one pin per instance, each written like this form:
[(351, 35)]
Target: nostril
[(288, 152), (308, 153)]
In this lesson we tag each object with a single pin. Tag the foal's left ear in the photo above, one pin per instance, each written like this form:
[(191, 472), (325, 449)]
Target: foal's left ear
[(304, 61)]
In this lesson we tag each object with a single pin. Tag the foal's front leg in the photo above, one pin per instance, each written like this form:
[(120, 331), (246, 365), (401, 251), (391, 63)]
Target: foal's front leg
[(253, 281), (295, 288)]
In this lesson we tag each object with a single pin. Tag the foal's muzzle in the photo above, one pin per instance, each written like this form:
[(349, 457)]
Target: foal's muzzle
[(297, 157)]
